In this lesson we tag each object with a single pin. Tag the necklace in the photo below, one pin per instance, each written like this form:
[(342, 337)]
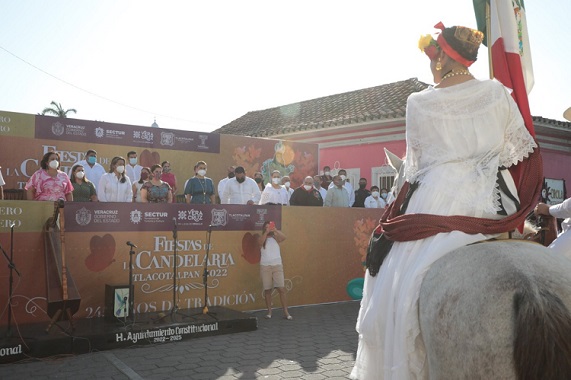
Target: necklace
[(454, 73), (203, 189)]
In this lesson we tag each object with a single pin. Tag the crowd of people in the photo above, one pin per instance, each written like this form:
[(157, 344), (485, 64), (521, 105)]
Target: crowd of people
[(127, 181)]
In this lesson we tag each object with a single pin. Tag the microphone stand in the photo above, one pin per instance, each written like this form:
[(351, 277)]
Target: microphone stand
[(174, 309), (131, 301), (12, 267), (205, 277)]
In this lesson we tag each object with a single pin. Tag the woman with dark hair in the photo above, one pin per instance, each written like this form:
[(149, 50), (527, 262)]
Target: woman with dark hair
[(115, 186), (145, 176), (83, 188), (271, 268), (156, 190), (169, 177), (49, 183), (460, 135), (200, 189)]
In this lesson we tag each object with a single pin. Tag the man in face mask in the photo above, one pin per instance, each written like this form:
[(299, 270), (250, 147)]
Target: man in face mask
[(240, 190), (319, 187), (374, 200), (306, 195), (326, 178), (346, 185), (93, 170), (133, 169), (286, 183), (336, 196), (361, 193), (223, 181)]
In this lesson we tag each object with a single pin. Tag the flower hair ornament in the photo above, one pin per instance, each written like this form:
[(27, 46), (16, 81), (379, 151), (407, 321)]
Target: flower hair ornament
[(467, 36), (429, 46)]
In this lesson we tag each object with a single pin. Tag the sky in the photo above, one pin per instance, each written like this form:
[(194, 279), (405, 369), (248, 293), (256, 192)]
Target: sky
[(198, 65)]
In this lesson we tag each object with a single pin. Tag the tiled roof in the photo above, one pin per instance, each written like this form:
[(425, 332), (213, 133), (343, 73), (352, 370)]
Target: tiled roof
[(387, 101)]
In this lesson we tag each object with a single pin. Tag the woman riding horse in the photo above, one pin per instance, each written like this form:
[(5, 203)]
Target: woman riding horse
[(458, 134)]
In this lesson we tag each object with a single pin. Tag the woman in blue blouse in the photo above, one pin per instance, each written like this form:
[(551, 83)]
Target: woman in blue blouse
[(200, 189)]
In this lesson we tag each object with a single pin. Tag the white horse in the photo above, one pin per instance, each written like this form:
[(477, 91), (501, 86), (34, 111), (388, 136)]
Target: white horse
[(496, 310)]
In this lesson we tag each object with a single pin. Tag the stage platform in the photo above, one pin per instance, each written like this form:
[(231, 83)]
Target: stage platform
[(97, 334)]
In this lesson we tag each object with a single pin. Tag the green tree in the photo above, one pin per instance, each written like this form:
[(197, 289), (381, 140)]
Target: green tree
[(57, 110)]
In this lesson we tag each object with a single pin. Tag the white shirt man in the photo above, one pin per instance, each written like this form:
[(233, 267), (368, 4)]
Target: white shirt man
[(240, 190), (347, 186), (93, 170), (223, 181), (133, 169), (316, 183), (374, 200), (561, 245)]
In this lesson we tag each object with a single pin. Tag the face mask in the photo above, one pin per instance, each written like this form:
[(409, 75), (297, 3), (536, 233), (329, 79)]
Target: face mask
[(240, 180), (383, 195), (327, 173), (231, 175), (144, 176), (80, 175), (133, 161), (307, 187), (201, 172), (276, 181), (91, 159), (375, 194), (53, 164), (157, 176), (166, 170), (343, 178), (287, 184), (258, 180), (362, 185), (120, 169)]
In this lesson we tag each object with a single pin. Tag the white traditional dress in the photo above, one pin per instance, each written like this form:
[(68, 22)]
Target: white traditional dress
[(457, 137)]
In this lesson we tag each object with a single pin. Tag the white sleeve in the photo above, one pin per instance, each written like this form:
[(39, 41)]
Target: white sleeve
[(561, 210), (101, 189)]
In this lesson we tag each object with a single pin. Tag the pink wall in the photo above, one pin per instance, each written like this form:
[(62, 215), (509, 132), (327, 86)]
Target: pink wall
[(364, 156), (556, 165)]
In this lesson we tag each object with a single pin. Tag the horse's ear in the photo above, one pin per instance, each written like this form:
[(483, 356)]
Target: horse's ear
[(393, 160)]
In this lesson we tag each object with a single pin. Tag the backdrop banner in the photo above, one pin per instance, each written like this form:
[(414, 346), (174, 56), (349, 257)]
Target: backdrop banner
[(323, 254)]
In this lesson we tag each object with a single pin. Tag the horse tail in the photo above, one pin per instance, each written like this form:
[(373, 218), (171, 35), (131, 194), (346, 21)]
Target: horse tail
[(542, 345)]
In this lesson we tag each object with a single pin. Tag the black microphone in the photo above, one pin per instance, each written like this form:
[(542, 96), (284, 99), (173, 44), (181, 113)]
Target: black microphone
[(131, 245), (174, 231)]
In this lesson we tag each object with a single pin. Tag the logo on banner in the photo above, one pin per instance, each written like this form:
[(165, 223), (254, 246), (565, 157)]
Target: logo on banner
[(203, 139), (262, 214), (219, 217), (167, 138), (135, 216), (83, 216), (58, 128), (195, 215), (99, 132)]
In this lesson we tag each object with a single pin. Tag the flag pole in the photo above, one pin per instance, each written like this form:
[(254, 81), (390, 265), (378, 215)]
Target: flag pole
[(488, 42)]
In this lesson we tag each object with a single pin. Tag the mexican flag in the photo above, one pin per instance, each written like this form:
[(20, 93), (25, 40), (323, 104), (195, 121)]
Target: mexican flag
[(511, 57)]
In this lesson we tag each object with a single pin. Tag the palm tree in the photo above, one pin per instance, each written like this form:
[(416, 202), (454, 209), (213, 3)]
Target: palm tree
[(57, 110)]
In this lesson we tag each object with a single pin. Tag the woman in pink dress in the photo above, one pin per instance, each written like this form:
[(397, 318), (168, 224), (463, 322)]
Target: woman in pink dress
[(169, 177), (49, 183)]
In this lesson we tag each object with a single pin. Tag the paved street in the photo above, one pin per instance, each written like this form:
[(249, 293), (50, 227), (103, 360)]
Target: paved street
[(320, 343)]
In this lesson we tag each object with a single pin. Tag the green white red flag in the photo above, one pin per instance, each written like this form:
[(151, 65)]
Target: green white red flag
[(510, 52)]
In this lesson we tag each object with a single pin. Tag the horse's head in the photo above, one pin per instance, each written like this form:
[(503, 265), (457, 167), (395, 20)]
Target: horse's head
[(396, 163)]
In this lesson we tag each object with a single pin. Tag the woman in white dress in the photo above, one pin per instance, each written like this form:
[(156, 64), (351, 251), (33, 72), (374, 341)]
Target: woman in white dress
[(115, 186), (458, 134)]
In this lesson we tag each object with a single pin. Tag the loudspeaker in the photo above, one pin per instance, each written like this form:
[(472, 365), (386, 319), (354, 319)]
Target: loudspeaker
[(117, 301)]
